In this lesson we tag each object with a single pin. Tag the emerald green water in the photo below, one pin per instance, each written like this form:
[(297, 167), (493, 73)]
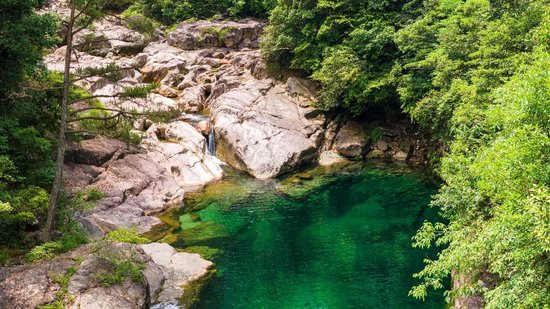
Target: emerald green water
[(340, 240)]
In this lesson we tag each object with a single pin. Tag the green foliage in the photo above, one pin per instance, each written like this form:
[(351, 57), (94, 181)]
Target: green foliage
[(457, 52), (497, 197), (63, 293), (5, 207), (137, 92), (50, 250), (173, 12), (119, 265), (8, 171), (474, 73), (95, 195), (111, 72), (23, 36), (118, 5), (128, 236), (348, 46), (220, 32), (26, 166), (141, 24), (375, 135), (120, 271), (4, 258)]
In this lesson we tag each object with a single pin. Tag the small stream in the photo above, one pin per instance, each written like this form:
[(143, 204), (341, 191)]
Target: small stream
[(324, 239)]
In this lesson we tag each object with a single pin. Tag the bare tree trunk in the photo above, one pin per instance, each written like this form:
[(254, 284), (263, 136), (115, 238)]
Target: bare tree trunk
[(60, 158)]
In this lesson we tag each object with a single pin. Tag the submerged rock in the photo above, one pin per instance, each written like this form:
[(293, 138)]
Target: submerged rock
[(328, 158)]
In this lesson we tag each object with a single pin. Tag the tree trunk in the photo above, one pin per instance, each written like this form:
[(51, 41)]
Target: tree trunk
[(60, 158)]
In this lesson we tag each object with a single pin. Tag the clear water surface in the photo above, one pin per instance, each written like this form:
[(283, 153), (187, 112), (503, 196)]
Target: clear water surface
[(329, 240)]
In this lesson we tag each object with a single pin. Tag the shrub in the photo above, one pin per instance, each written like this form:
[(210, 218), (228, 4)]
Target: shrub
[(120, 271), (52, 249), (127, 236), (141, 24)]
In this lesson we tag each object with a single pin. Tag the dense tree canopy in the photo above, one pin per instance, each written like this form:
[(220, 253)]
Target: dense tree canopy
[(171, 12), (477, 72), (23, 35), (348, 46), (26, 117)]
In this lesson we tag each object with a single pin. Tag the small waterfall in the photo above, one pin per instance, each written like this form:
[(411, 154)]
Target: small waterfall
[(212, 142)]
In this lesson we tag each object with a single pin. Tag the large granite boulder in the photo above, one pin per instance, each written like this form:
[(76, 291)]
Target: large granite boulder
[(350, 140), (161, 60), (262, 130), (165, 273), (135, 187), (95, 151), (140, 182), (109, 36), (179, 269), (182, 150), (206, 34)]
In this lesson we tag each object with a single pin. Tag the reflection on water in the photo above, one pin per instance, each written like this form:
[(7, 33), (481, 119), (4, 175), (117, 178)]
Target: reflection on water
[(315, 240)]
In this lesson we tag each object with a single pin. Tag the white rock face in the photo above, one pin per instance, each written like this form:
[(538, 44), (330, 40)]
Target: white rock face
[(179, 269), (261, 126), (138, 185), (262, 130), (181, 149), (109, 36), (135, 188)]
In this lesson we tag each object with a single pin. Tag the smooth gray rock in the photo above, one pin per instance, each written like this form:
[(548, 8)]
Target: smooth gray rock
[(179, 268), (165, 273), (206, 34), (181, 149), (107, 36), (262, 130), (350, 140), (95, 151)]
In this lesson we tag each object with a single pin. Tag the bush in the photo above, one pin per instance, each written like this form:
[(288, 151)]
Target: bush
[(119, 5), (119, 263), (141, 24), (119, 271), (127, 236), (52, 249), (173, 12)]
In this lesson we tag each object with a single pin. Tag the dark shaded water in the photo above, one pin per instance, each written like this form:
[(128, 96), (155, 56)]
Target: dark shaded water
[(341, 240)]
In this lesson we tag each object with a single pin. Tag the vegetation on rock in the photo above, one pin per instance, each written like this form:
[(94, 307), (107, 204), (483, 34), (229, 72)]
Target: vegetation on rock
[(128, 236)]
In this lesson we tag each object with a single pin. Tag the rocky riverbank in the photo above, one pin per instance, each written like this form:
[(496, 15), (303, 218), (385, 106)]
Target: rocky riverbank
[(259, 124), (88, 277), (211, 75)]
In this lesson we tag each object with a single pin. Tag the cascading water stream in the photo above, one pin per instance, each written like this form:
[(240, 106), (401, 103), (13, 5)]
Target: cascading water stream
[(212, 142)]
